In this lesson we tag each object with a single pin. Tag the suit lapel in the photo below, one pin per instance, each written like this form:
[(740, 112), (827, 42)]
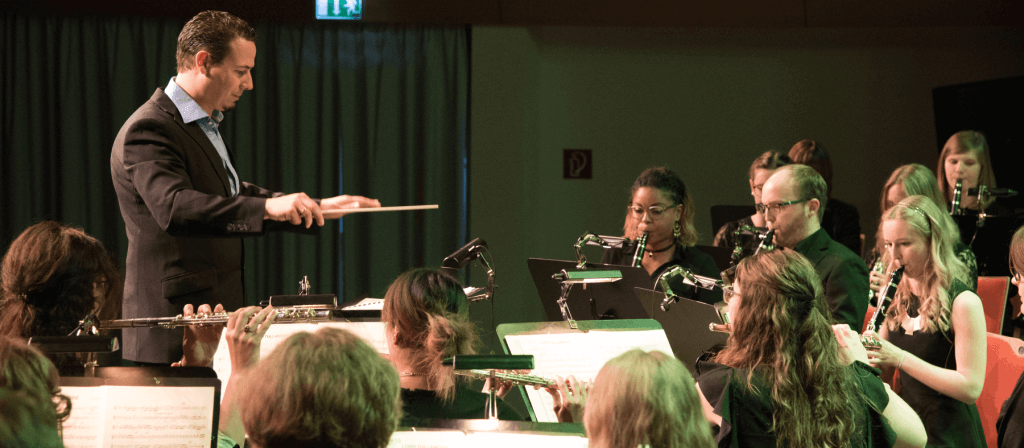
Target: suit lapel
[(196, 133)]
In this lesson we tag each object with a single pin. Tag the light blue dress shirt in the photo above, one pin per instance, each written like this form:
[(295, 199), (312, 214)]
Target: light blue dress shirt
[(190, 111)]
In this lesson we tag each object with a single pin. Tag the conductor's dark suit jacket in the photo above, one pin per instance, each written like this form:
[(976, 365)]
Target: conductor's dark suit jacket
[(184, 229)]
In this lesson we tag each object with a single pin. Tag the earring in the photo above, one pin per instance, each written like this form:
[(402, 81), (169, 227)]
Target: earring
[(677, 230)]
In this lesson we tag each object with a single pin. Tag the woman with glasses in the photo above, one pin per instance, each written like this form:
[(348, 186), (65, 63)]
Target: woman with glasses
[(789, 378), (1010, 426), (660, 206), (934, 330), (731, 234)]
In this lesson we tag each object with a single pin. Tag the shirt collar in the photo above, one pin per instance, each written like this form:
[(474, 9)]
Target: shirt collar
[(188, 107)]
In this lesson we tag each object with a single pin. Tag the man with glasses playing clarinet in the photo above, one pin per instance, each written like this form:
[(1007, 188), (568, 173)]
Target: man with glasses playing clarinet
[(792, 203)]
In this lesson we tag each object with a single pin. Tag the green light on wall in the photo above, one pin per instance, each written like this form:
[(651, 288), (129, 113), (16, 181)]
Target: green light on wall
[(339, 9)]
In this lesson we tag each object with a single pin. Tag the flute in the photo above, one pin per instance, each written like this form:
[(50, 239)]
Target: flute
[(517, 379), (720, 328), (282, 315)]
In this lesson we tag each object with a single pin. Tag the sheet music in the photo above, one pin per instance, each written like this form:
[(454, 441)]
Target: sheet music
[(84, 427), (139, 416), (579, 354), (371, 332), (366, 304), (499, 439)]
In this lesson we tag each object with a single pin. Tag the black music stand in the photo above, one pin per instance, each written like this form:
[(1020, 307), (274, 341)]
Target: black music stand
[(595, 301), (686, 325), (722, 255)]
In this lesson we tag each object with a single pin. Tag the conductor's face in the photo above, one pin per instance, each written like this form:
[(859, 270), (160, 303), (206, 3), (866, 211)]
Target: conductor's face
[(232, 76)]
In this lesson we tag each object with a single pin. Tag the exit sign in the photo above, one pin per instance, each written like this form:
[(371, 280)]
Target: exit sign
[(339, 9)]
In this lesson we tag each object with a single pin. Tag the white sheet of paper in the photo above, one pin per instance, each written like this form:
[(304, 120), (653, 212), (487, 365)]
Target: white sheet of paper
[(458, 439), (579, 354), (139, 416), (84, 427)]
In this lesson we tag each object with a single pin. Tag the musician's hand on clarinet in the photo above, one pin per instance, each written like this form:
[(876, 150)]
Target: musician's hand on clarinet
[(851, 347), (570, 399), (877, 281), (885, 354), (246, 328), (295, 208), (346, 202), (200, 340)]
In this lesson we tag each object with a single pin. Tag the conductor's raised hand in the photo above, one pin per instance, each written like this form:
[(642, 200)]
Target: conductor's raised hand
[(245, 331), (200, 341), (346, 202), (295, 208)]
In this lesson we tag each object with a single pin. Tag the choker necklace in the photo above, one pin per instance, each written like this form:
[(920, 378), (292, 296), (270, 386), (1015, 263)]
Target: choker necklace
[(663, 249)]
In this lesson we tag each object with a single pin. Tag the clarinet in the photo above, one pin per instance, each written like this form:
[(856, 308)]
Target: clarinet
[(955, 209), (884, 299), (638, 256)]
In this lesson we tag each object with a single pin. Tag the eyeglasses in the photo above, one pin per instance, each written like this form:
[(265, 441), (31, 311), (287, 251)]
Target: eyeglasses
[(774, 208), (727, 294), (655, 211)]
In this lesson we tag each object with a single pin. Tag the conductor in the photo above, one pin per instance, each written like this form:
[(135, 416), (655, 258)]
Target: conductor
[(184, 207)]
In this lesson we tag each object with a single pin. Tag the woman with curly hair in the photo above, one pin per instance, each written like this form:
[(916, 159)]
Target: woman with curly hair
[(934, 331), (661, 206), (426, 317), (53, 275), (787, 377)]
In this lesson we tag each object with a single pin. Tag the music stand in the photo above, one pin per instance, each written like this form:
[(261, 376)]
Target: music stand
[(595, 301), (685, 324), (722, 255), (722, 214)]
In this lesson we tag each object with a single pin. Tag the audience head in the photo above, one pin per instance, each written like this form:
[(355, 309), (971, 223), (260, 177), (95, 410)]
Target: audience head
[(660, 205), (763, 168), (911, 180), (645, 399), (803, 191), (25, 371), (323, 389), (813, 154), (966, 157), (782, 333), (922, 238), (212, 32), (427, 320), (52, 277), (24, 422)]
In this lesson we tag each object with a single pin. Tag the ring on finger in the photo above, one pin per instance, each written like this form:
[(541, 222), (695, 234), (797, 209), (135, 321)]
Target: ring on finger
[(246, 329)]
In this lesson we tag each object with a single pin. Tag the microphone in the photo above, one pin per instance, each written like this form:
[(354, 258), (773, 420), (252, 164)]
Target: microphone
[(465, 254), (994, 192)]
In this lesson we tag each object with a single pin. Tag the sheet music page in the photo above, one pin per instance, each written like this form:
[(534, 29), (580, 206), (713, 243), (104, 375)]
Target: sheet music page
[(579, 354), (428, 439), (159, 417), (371, 332), (366, 304), (518, 440), (84, 427)]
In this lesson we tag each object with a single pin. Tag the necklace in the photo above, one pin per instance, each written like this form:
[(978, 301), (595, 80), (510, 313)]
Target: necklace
[(663, 249)]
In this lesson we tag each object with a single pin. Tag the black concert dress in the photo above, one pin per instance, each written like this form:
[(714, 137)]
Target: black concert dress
[(747, 415), (419, 404), (949, 422)]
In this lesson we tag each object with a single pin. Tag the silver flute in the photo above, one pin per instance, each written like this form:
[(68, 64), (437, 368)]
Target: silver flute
[(301, 314), (517, 379)]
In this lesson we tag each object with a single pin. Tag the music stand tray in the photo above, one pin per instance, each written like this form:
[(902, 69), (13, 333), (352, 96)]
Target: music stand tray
[(685, 324), (614, 300)]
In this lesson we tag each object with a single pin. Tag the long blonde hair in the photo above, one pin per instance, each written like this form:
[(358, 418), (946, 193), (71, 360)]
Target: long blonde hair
[(645, 398), (941, 234)]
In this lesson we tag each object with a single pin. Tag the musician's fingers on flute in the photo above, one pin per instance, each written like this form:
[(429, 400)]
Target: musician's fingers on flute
[(237, 322), (263, 321)]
